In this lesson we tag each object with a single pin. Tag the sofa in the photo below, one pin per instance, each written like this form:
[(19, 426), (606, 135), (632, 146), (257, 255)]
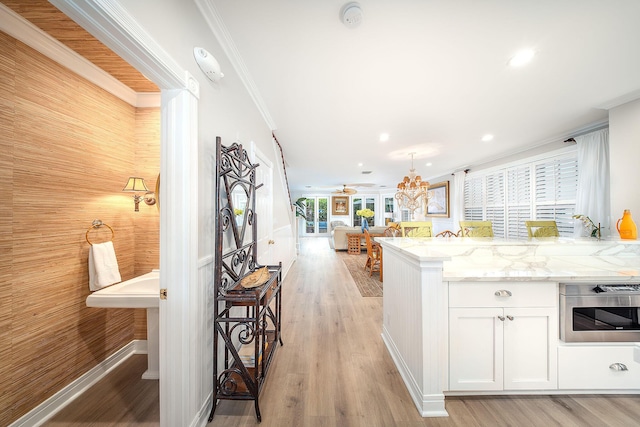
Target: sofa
[(338, 240)]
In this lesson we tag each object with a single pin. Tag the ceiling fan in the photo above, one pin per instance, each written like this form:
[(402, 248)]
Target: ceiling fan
[(345, 190)]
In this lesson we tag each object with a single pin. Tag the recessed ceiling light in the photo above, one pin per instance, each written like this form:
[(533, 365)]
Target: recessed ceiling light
[(360, 164), (384, 137), (521, 58), (429, 163), (488, 137)]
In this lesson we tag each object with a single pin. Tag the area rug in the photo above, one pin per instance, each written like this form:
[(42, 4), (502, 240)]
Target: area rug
[(368, 286)]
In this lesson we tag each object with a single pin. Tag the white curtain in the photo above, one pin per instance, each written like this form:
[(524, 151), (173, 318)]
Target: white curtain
[(458, 198), (593, 198)]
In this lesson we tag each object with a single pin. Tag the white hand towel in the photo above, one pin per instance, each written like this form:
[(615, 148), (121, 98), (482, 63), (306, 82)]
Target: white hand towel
[(103, 266)]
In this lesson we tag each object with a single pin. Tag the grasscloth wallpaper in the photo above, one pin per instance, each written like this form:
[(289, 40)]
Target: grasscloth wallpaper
[(66, 150)]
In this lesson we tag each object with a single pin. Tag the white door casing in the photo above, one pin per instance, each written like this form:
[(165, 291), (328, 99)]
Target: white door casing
[(264, 206), (108, 21)]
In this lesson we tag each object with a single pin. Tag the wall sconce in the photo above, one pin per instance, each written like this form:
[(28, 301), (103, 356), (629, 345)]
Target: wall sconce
[(136, 185)]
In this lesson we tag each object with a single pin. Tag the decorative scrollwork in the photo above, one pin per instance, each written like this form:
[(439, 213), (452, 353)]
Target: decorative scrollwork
[(246, 334), (239, 258), (226, 218), (236, 256), (227, 384)]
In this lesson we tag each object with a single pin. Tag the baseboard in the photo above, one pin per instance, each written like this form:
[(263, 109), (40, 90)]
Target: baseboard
[(202, 418), (47, 409), (428, 405)]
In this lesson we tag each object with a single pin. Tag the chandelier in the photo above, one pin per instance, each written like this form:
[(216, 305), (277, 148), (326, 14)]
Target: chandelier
[(412, 191)]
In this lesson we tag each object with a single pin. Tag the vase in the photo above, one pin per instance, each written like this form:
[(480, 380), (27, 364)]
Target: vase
[(365, 224), (626, 227)]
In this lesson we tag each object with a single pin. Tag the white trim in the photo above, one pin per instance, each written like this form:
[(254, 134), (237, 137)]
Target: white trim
[(47, 409), (214, 20), (624, 99), (148, 100), (179, 257), (24, 31), (202, 418), (205, 261), (110, 23)]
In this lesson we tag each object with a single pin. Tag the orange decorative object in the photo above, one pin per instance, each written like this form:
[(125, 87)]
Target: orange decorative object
[(626, 227)]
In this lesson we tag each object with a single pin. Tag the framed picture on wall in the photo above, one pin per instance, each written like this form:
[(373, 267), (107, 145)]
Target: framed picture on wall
[(438, 204), (340, 205)]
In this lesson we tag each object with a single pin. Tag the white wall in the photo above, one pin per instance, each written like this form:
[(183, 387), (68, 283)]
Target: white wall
[(624, 151), (225, 109)]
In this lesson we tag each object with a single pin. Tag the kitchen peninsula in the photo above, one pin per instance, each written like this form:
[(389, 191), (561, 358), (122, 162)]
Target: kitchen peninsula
[(466, 316)]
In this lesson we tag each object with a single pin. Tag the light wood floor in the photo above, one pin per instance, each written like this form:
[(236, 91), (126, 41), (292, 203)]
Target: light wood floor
[(120, 399), (335, 371)]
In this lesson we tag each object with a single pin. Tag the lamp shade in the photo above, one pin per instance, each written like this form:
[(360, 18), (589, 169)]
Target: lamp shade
[(135, 184)]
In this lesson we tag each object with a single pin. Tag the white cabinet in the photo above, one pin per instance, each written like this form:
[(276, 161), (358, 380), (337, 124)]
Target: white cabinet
[(592, 367), (502, 336)]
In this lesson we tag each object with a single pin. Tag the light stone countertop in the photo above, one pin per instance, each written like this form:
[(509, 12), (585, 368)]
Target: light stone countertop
[(549, 259)]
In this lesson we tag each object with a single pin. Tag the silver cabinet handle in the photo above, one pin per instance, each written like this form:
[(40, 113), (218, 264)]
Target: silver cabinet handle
[(510, 317), (618, 367), (501, 318), (503, 293)]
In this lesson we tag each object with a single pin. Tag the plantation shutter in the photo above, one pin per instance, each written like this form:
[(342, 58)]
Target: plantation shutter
[(473, 199), (495, 211), (518, 201), (536, 189), (555, 195)]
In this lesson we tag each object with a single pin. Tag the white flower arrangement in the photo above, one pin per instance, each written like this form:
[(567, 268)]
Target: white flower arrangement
[(593, 230)]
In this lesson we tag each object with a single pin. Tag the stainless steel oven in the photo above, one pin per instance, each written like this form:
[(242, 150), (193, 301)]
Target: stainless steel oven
[(599, 312)]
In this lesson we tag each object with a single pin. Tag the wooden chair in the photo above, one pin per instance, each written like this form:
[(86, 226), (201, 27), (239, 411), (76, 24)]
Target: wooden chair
[(416, 229), (374, 255), (449, 233), (391, 232), (547, 228), (476, 228)]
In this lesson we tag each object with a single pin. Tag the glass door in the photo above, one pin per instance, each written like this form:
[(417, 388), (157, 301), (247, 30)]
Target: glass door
[(362, 203), (316, 213), (388, 209)]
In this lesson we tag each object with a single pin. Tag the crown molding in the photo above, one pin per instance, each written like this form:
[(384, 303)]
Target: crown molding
[(616, 102), (148, 99), (20, 29), (110, 23), (219, 29)]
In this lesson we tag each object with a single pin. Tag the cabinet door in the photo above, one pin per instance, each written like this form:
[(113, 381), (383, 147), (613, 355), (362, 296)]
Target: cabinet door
[(530, 349), (475, 349)]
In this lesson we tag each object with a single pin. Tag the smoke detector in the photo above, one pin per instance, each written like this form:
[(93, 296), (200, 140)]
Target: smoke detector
[(351, 15)]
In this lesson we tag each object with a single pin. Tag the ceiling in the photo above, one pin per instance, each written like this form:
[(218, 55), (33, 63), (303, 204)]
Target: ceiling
[(433, 74)]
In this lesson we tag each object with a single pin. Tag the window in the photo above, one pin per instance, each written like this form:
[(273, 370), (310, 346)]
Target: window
[(555, 192), (388, 210), (539, 188), (358, 203)]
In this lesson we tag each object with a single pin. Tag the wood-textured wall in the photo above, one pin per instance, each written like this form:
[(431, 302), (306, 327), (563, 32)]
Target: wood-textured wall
[(66, 150)]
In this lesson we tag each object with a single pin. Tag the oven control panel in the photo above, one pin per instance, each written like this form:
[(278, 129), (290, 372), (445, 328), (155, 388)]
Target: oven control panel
[(616, 288)]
